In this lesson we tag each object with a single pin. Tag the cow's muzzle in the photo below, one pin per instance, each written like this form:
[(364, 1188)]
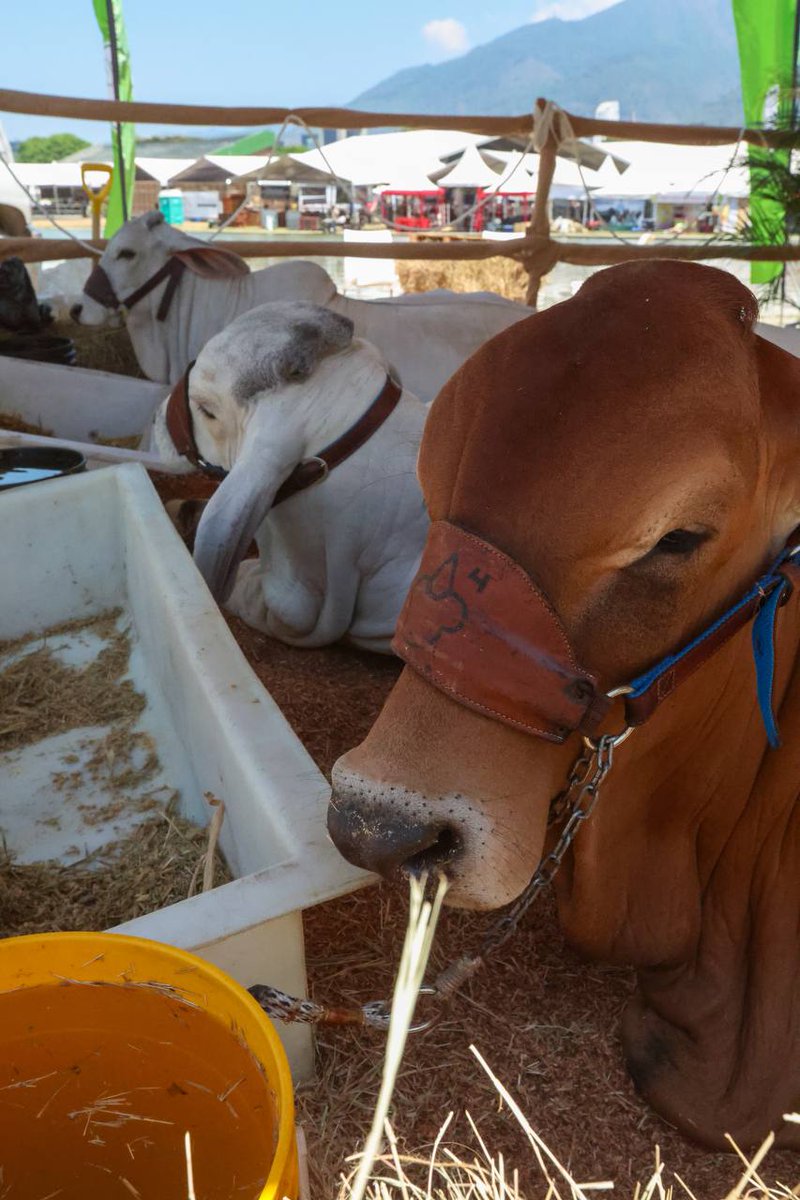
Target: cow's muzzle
[(386, 841)]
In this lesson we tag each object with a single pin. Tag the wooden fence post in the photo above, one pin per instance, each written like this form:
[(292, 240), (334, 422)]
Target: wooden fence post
[(541, 258)]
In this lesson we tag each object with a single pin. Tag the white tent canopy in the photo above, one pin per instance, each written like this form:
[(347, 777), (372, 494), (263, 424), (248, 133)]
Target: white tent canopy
[(51, 174), (412, 179), (162, 169), (371, 159), (676, 174), (471, 170)]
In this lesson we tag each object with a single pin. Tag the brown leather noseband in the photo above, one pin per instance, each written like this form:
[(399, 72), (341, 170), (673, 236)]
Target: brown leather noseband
[(98, 287), (180, 428), (479, 629)]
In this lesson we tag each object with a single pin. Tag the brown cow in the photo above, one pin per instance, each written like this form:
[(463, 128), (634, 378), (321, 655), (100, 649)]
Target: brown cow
[(635, 450)]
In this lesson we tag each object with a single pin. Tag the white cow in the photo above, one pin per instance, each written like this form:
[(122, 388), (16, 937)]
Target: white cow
[(425, 338), (277, 386)]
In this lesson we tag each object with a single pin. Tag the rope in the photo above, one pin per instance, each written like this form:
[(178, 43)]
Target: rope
[(40, 207)]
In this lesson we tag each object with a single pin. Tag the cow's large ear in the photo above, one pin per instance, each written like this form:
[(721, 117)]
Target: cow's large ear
[(211, 262)]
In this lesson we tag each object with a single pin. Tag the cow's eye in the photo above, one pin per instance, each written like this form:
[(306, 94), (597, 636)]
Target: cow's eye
[(679, 541), (126, 254)]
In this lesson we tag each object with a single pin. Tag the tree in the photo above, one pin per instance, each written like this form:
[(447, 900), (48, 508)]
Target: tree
[(49, 149)]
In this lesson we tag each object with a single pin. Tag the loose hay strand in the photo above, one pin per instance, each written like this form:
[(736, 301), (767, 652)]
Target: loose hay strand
[(422, 920)]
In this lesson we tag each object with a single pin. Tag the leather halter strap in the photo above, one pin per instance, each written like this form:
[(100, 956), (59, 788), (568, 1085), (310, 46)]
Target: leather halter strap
[(181, 430), (759, 604), (477, 627), (98, 287)]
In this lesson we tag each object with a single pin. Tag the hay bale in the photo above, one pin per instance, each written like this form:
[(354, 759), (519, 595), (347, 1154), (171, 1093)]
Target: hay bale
[(502, 276)]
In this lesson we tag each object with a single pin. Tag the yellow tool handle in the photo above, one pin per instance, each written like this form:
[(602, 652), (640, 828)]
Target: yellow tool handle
[(97, 194)]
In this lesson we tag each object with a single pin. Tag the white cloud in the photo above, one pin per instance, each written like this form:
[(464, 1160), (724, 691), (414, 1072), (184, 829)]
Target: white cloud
[(569, 10), (447, 35)]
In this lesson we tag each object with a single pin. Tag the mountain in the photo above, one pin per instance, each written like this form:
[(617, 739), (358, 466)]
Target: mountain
[(664, 60)]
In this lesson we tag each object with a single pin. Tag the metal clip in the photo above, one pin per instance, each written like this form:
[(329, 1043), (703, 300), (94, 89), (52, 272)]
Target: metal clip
[(611, 739), (377, 1013), (315, 458)]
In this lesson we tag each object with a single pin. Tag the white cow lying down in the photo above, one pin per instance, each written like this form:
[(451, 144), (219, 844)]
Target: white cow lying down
[(425, 338), (278, 385)]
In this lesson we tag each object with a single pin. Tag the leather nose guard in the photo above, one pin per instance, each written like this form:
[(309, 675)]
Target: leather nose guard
[(477, 627)]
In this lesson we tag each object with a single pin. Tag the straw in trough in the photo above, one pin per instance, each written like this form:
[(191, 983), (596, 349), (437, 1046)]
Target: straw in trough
[(157, 864), (165, 857)]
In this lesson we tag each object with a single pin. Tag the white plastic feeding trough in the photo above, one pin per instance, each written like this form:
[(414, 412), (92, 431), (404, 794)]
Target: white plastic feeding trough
[(79, 407), (85, 545)]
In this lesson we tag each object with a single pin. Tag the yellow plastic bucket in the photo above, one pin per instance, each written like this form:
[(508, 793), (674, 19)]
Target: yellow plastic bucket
[(113, 1050)]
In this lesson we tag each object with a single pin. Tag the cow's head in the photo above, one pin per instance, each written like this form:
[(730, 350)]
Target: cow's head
[(138, 251), (260, 394), (634, 449)]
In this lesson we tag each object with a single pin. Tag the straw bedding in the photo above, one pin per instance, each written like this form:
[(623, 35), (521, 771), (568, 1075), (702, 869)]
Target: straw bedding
[(102, 348), (546, 1021)]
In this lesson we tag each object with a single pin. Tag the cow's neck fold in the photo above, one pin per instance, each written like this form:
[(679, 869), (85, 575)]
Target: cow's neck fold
[(689, 872), (199, 310)]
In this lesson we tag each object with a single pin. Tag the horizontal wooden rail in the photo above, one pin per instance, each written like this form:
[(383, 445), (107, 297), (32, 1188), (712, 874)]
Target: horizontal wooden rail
[(524, 249), (144, 113)]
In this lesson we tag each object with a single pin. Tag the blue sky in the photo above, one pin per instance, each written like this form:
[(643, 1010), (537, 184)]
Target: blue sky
[(246, 52)]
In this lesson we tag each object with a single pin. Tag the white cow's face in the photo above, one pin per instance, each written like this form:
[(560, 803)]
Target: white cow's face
[(134, 254), (139, 250), (255, 395)]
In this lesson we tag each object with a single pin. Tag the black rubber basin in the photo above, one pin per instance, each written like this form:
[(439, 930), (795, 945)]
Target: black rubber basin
[(32, 464), (41, 348)]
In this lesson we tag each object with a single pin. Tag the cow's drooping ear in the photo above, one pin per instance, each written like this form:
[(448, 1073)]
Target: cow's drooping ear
[(154, 218), (210, 262), (295, 355)]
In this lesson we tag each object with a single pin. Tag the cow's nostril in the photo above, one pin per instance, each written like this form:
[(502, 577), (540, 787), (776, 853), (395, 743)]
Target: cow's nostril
[(388, 843), (75, 311), (437, 855)]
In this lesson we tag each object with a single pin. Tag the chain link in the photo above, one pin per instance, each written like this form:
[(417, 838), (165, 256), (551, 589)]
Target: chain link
[(574, 805)]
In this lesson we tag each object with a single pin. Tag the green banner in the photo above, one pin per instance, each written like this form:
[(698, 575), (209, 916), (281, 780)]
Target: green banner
[(123, 136), (765, 30)]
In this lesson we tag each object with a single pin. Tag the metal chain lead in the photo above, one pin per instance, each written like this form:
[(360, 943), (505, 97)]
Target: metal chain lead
[(573, 806)]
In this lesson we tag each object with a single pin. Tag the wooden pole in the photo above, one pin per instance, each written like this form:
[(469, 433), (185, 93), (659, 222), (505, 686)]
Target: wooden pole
[(524, 249), (541, 259), (144, 113)]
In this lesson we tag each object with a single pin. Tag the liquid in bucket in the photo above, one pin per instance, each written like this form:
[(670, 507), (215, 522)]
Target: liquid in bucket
[(100, 1083)]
